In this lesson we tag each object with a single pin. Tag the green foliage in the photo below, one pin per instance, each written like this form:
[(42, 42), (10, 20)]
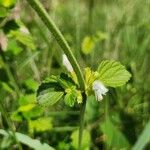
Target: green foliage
[(31, 84), (55, 87), (24, 38), (70, 97), (27, 99), (89, 42), (15, 116), (65, 81), (111, 30), (6, 142), (6, 87), (48, 97), (88, 45), (40, 125), (26, 140), (100, 36), (86, 139), (3, 12), (114, 137), (50, 91), (92, 109), (7, 3), (13, 47), (90, 77), (27, 109), (5, 8), (144, 138), (64, 146), (112, 73)]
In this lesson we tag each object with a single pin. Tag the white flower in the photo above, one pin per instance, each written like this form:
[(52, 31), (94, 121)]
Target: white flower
[(67, 63), (99, 89)]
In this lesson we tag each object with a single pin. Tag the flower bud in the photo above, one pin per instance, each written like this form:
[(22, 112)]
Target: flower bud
[(67, 63)]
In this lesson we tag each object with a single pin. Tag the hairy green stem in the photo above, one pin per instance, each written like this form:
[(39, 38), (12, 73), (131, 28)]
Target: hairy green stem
[(37, 6), (82, 113)]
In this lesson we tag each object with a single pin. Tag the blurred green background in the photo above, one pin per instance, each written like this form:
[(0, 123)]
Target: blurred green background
[(96, 30)]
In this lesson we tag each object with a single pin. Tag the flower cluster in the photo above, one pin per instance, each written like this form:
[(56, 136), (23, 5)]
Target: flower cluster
[(97, 86)]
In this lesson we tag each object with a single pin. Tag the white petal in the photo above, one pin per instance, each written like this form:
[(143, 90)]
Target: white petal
[(66, 63), (99, 90), (97, 85), (99, 96)]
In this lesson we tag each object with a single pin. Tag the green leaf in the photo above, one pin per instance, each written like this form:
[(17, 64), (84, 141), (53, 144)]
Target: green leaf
[(85, 141), (144, 138), (48, 98), (6, 87), (70, 97), (33, 113), (114, 137), (15, 116), (27, 99), (26, 108), (49, 92), (92, 109), (6, 143), (90, 77), (3, 12), (24, 38), (13, 47), (65, 81), (53, 88), (112, 73), (26, 140), (31, 84), (33, 143), (40, 124)]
